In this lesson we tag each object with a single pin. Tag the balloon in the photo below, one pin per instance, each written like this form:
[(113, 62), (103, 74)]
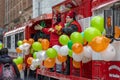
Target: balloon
[(76, 64), (82, 33), (29, 60), (25, 41), (77, 57), (117, 32), (76, 37), (41, 55), (51, 53), (91, 33), (32, 67), (45, 44), (49, 62), (98, 23), (20, 67), (16, 61), (18, 50), (37, 46), (36, 62), (88, 52), (61, 58), (86, 59), (40, 40), (99, 43), (70, 43), (35, 55), (70, 53), (31, 41), (64, 50), (26, 46), (56, 47), (1, 45), (19, 43), (63, 39), (31, 51), (77, 48), (20, 60), (109, 53), (58, 62)]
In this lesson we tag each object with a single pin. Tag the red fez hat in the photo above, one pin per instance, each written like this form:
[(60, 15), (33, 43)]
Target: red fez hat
[(71, 14)]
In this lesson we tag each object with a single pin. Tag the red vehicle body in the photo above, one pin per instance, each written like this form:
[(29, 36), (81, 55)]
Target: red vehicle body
[(97, 68)]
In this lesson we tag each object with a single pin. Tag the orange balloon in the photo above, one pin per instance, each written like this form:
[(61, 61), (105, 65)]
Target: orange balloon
[(29, 60), (76, 64), (20, 67), (18, 50), (40, 40), (45, 44), (77, 48), (61, 58), (117, 32), (49, 62), (25, 41), (31, 41), (99, 43)]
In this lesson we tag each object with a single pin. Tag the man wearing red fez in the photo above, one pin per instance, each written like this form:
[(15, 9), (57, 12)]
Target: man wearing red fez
[(71, 26)]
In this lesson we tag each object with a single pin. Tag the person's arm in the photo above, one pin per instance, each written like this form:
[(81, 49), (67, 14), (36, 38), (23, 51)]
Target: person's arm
[(69, 30), (16, 70)]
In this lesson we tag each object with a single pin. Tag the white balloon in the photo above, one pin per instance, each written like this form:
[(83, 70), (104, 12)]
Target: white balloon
[(58, 62), (41, 55), (88, 52), (32, 67), (26, 45), (21, 47), (26, 52), (38, 62), (64, 50), (109, 53), (34, 62), (56, 47), (86, 59), (77, 57)]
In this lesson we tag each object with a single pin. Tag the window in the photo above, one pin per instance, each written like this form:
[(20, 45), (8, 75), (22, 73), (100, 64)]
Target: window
[(9, 42), (16, 40), (21, 36)]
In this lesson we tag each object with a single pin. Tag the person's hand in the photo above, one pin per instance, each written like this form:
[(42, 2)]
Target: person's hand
[(38, 27), (51, 30)]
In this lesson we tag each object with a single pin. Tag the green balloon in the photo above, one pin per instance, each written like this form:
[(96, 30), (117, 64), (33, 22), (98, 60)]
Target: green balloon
[(51, 53), (19, 43), (63, 39), (34, 55), (37, 46), (70, 43), (70, 53), (76, 37), (16, 61), (31, 51), (1, 45), (98, 23), (20, 60), (91, 33)]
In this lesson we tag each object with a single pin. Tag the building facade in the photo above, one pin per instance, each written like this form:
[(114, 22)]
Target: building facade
[(2, 12), (17, 12), (43, 6)]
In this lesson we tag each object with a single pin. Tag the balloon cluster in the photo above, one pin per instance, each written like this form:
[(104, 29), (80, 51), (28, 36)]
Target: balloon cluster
[(74, 46)]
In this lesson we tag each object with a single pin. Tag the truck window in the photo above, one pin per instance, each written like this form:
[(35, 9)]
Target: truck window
[(9, 42), (21, 36), (16, 40)]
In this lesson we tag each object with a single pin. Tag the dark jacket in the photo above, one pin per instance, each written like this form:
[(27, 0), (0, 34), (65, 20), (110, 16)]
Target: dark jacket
[(6, 59)]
